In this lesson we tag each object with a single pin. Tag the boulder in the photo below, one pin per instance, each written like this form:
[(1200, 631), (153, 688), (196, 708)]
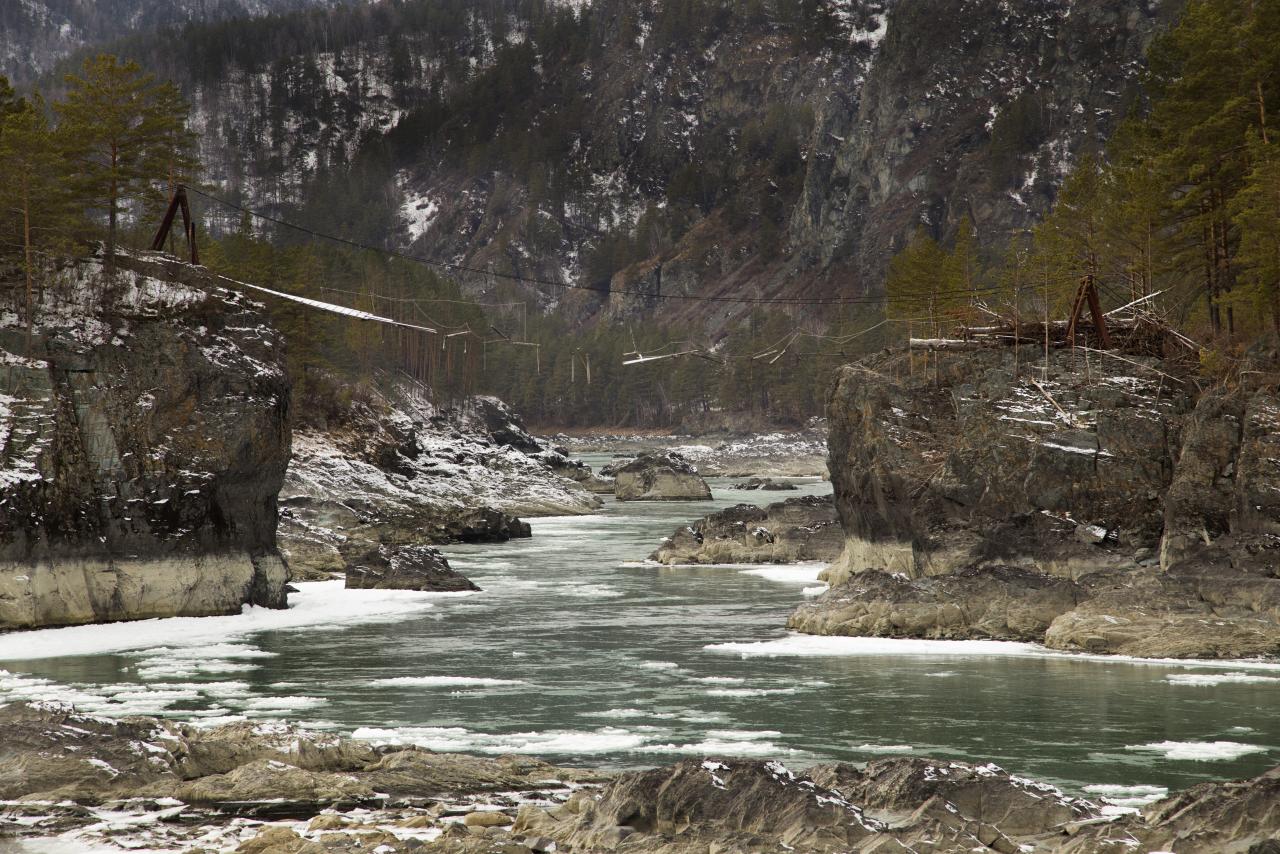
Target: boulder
[(1207, 612), (659, 477), (400, 568), (798, 529), (765, 483), (1239, 817), (728, 804)]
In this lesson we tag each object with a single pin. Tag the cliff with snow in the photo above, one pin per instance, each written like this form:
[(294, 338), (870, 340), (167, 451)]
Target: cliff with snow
[(144, 435)]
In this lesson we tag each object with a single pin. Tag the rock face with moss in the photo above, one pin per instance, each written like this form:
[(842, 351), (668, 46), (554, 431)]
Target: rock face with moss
[(144, 434), (1109, 506)]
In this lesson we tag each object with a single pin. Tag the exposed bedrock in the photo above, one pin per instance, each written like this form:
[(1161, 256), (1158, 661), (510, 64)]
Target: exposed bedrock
[(402, 475), (798, 529), (1109, 506), (767, 484), (655, 476), (144, 434), (54, 763)]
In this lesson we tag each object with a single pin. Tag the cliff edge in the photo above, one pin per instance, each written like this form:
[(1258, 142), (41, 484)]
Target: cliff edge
[(144, 435)]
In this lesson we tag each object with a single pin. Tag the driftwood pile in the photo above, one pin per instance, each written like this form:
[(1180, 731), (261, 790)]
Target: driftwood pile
[(1132, 329)]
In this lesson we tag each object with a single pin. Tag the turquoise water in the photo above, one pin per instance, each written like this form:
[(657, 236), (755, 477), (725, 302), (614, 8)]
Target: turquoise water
[(584, 654)]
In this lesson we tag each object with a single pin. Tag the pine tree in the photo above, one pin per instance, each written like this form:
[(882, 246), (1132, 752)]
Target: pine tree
[(33, 187), (125, 134), (917, 283), (1256, 212)]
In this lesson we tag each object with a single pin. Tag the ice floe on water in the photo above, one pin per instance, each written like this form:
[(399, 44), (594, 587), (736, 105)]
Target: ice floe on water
[(795, 573), (658, 665), (460, 740), (269, 705), (1199, 751), (317, 603), (720, 680), (884, 748), (447, 681), (1203, 680), (815, 591), (801, 645), (1126, 796), (722, 747), (750, 692)]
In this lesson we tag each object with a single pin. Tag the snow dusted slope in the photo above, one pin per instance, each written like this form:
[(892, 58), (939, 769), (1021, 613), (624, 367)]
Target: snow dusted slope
[(143, 438), (40, 32), (402, 473)]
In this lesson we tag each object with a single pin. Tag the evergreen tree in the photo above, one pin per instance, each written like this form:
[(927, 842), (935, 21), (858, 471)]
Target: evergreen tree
[(33, 187), (1256, 212), (125, 134)]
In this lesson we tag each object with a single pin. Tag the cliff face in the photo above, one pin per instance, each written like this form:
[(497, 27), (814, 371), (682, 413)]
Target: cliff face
[(1103, 464), (143, 441), (1110, 505)]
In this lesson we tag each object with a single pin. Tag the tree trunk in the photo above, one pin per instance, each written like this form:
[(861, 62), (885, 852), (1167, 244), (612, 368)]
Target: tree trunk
[(110, 261), (26, 253)]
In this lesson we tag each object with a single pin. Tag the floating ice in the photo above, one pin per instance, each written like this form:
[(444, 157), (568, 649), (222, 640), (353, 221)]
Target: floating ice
[(447, 681), (884, 748), (317, 603), (798, 573), (1127, 796), (1199, 751), (1202, 680), (722, 747), (801, 645), (457, 739)]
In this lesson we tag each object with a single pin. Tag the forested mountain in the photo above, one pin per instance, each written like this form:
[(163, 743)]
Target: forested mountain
[(35, 34), (622, 181), (712, 147)]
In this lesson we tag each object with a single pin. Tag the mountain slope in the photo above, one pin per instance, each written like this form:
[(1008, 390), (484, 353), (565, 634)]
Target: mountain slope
[(701, 147)]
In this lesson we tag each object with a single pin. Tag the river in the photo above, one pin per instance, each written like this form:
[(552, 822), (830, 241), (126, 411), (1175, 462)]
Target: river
[(578, 652)]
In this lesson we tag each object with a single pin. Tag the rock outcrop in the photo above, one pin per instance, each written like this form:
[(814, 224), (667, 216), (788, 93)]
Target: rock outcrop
[(401, 474), (1107, 506), (653, 476), (383, 567), (144, 434), (767, 484), (798, 529), (171, 786)]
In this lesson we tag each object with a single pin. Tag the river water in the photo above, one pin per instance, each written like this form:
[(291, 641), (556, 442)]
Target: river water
[(578, 652)]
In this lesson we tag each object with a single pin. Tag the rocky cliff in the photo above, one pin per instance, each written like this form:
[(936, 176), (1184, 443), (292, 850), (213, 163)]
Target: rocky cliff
[(144, 435), (1107, 504)]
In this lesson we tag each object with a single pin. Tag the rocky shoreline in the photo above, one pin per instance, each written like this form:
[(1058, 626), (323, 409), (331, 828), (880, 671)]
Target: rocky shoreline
[(1103, 505), (266, 788), (373, 496)]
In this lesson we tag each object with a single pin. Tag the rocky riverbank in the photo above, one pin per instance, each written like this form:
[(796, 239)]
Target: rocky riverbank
[(1107, 505), (86, 783), (796, 453), (144, 432), (370, 496)]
